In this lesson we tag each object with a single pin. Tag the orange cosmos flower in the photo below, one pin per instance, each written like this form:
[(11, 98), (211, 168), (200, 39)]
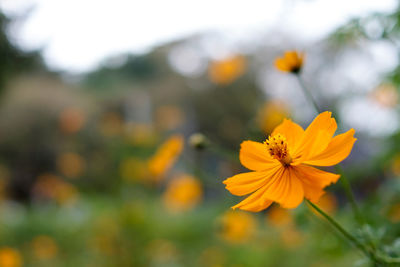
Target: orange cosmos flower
[(10, 257), (281, 170), (292, 61), (227, 70), (165, 156), (183, 193)]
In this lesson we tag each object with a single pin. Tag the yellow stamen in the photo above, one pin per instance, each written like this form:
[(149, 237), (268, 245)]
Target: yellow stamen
[(277, 147)]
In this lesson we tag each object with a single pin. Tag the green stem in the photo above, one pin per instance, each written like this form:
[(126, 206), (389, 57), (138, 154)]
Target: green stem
[(346, 234), (349, 193), (307, 93), (345, 182)]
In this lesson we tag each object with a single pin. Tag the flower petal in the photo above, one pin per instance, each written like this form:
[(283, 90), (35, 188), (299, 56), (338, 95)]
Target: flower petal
[(280, 64), (254, 156), (314, 180), (285, 189), (293, 59), (246, 183), (338, 149), (292, 131), (317, 136), (255, 202)]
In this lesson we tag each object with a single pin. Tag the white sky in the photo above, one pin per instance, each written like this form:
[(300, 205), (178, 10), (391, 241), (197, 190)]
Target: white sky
[(77, 34)]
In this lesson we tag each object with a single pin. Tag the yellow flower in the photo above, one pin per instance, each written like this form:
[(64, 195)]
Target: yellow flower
[(227, 70), (183, 193), (165, 156), (237, 227), (281, 170), (10, 257), (292, 61)]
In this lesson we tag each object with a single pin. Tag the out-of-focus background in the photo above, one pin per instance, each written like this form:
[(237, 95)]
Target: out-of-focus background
[(119, 120)]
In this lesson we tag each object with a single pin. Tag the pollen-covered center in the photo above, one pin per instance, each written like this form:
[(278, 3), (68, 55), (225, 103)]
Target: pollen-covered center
[(278, 148)]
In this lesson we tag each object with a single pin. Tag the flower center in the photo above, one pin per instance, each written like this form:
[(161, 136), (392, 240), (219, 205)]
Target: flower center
[(277, 147)]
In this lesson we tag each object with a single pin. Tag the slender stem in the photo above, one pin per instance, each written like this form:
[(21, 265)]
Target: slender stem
[(349, 193), (345, 182), (338, 227), (307, 93)]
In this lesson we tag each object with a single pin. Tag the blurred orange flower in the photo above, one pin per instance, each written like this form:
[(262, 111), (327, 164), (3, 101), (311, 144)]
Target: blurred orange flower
[(279, 217), (165, 156), (10, 257), (227, 70), (183, 193), (71, 165), (271, 115), (327, 203), (237, 227), (71, 120), (44, 247), (292, 61), (281, 166)]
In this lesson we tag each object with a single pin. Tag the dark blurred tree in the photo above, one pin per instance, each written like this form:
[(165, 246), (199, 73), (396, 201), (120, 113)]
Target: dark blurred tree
[(14, 61)]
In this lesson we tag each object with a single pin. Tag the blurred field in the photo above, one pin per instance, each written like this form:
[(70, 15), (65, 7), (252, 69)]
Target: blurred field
[(123, 166)]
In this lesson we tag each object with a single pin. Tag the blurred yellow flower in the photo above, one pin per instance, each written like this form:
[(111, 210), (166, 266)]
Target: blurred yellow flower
[(165, 156), (49, 186), (386, 95), (227, 70), (133, 169), (272, 114), (71, 165), (292, 61), (10, 257), (44, 247), (183, 193), (237, 226), (279, 217), (281, 166), (71, 120)]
